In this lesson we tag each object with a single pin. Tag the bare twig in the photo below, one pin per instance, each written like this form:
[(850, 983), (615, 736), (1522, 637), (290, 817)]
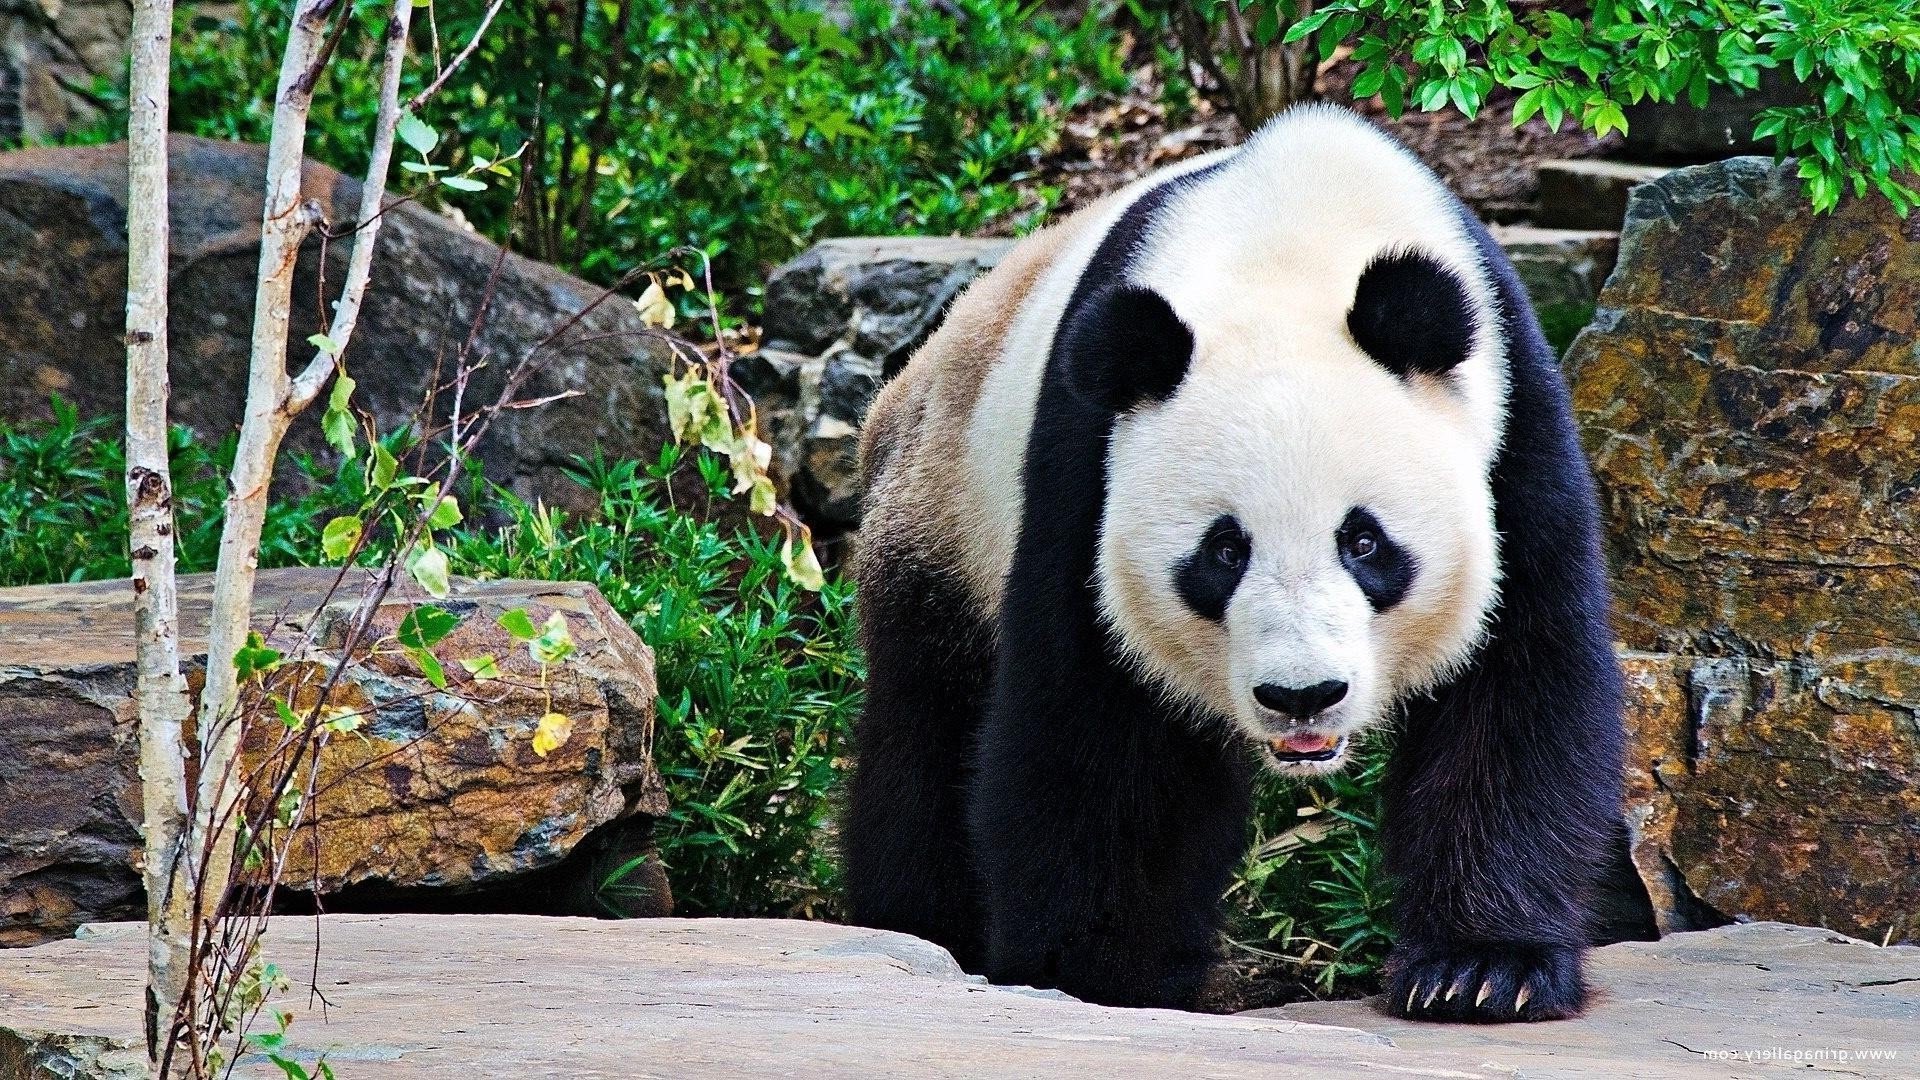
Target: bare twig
[(443, 74)]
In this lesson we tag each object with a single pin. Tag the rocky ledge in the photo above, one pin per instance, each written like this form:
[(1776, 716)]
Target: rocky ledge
[(425, 997), (437, 802)]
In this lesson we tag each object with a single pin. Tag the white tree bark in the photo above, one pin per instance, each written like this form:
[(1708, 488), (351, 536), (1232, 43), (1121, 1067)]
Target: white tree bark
[(160, 693), (273, 400)]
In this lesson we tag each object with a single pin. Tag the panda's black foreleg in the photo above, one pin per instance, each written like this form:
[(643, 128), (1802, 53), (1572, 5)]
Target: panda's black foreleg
[(1504, 793), (1500, 805), (903, 838), (1106, 832)]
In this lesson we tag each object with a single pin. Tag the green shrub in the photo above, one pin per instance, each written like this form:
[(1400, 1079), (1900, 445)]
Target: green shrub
[(746, 129), (1311, 896), (758, 679)]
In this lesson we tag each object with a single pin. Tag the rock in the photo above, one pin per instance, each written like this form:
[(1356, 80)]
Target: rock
[(1587, 194), (437, 801), (47, 46), (63, 289), (1750, 396), (1758, 1000), (880, 296), (1563, 269), (426, 998), (845, 316), (1680, 131)]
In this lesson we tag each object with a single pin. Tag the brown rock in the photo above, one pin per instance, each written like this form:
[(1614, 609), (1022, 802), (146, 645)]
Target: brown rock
[(1750, 394), (439, 793), (63, 297)]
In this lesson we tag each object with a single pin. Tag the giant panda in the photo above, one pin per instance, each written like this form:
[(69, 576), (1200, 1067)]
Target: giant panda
[(1251, 460)]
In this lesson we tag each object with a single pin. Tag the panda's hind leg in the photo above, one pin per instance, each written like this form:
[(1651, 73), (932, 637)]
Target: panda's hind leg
[(904, 837)]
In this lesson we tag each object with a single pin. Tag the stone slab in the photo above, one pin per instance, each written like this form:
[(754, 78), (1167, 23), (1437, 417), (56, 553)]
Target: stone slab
[(511, 996), (1755, 1000), (455, 997)]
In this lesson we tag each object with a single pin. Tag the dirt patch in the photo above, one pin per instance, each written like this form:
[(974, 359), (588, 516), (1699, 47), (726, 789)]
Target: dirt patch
[(1112, 141)]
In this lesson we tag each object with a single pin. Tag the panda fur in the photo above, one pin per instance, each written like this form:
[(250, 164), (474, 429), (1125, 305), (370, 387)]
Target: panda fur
[(1267, 431)]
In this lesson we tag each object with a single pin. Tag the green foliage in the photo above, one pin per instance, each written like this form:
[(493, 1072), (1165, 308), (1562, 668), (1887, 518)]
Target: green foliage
[(63, 505), (745, 129), (1312, 893), (1859, 61), (759, 679)]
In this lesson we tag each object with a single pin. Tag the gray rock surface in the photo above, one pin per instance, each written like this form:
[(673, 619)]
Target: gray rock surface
[(1757, 1000), (63, 298), (49, 45), (1563, 269), (427, 997), (1587, 194)]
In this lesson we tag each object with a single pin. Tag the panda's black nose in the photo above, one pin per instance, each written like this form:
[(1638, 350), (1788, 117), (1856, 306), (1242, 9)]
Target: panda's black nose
[(1300, 702)]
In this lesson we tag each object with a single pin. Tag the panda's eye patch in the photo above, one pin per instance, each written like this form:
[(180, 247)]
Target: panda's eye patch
[(1383, 569), (1210, 573)]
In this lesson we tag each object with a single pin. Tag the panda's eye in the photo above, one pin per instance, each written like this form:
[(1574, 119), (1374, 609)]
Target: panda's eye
[(1228, 549), (1362, 543), (1229, 552)]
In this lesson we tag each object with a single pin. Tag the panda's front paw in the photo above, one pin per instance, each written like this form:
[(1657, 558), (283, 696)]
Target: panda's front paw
[(1486, 984)]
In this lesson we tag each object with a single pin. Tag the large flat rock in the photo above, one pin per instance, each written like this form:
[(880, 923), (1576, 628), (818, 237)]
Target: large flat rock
[(512, 996), (1753, 1000)]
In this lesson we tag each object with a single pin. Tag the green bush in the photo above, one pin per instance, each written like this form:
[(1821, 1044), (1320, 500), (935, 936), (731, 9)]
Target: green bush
[(1311, 896), (758, 679), (747, 129)]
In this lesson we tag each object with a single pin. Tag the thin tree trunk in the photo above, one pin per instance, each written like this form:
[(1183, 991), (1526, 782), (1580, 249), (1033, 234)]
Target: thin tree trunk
[(160, 692), (274, 399)]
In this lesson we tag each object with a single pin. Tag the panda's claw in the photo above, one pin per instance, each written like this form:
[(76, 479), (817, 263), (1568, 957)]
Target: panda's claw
[(1510, 982)]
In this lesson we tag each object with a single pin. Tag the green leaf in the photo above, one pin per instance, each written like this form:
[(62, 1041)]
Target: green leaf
[(385, 468), (429, 666), (429, 568), (415, 133), (482, 667), (425, 626), (519, 624), (803, 566), (463, 183), (337, 422), (555, 642), (324, 343), (446, 510), (254, 658), (340, 537)]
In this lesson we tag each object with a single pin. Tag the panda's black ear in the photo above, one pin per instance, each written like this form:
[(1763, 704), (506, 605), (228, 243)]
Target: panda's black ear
[(1123, 345), (1411, 314)]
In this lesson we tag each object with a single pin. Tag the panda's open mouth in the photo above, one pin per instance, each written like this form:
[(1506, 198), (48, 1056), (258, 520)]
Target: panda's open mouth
[(1306, 747)]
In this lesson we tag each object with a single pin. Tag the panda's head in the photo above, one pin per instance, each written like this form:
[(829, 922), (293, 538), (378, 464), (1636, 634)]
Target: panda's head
[(1298, 527)]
